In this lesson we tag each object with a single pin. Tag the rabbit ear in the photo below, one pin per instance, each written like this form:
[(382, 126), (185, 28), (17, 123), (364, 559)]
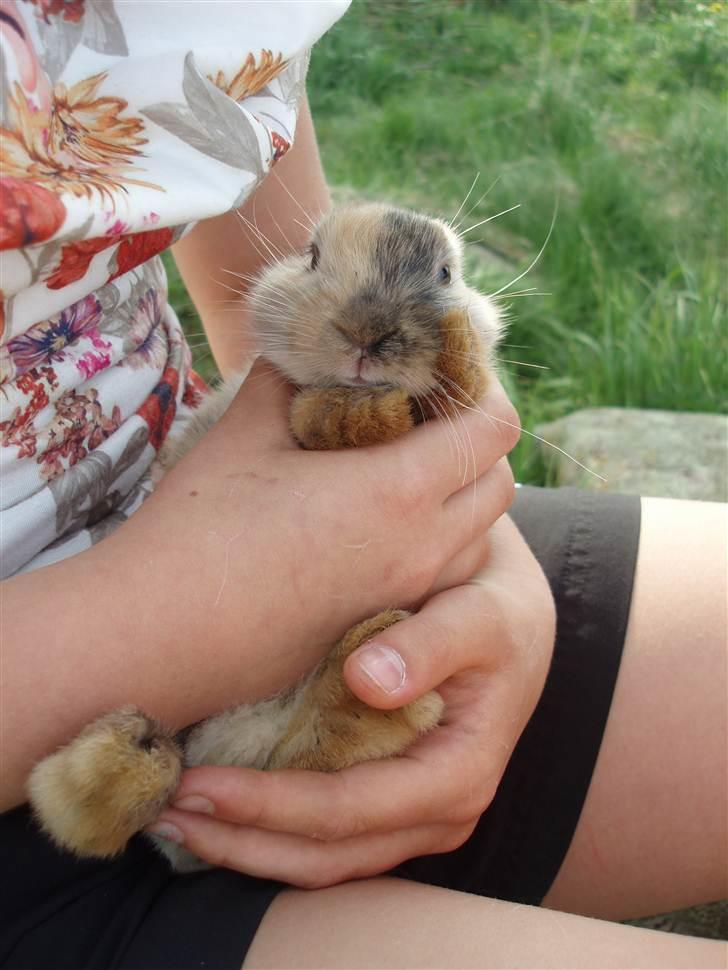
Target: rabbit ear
[(461, 367)]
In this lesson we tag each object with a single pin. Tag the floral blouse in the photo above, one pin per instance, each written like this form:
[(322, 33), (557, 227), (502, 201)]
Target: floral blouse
[(121, 124)]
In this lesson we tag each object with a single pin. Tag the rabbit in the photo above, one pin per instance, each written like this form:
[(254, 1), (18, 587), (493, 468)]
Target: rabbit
[(377, 329)]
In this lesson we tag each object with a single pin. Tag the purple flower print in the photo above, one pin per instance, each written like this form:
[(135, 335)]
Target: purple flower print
[(47, 341), (145, 330)]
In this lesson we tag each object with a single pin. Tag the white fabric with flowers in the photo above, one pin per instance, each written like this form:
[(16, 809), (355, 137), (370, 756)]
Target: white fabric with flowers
[(121, 124)]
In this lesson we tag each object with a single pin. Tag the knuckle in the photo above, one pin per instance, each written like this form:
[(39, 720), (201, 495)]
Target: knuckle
[(486, 794), (343, 826), (323, 876), (469, 809), (504, 483), (511, 425), (457, 837), (218, 856), (474, 800), (414, 577), (306, 881), (407, 498)]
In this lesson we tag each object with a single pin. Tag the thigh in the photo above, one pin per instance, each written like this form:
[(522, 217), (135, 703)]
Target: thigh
[(652, 834), (390, 923)]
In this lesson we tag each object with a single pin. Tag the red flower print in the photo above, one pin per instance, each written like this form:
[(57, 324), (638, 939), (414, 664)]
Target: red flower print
[(280, 146), (19, 430), (196, 390), (160, 407), (78, 427), (134, 249), (75, 260), (27, 382), (28, 213), (70, 10), (140, 247)]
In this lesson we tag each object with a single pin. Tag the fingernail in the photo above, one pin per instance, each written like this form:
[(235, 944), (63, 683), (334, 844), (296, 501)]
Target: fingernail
[(165, 830), (195, 803), (382, 665)]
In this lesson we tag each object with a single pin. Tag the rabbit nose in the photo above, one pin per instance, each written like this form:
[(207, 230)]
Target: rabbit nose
[(367, 343)]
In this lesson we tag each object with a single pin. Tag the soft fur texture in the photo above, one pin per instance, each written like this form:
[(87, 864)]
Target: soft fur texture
[(412, 345)]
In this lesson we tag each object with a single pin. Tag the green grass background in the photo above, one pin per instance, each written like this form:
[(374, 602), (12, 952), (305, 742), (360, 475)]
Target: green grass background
[(614, 108)]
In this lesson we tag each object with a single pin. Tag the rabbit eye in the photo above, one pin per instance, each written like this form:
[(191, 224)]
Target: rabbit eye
[(444, 275), (315, 255)]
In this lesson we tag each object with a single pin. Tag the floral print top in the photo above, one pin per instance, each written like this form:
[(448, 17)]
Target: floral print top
[(121, 124)]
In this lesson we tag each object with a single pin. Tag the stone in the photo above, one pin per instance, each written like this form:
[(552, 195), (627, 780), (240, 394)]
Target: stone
[(709, 920), (667, 454)]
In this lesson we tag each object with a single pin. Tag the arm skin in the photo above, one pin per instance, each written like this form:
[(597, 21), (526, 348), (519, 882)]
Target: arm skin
[(245, 522), (115, 625)]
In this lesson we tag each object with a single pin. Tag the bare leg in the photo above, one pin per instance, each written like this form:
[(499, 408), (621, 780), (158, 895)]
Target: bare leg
[(653, 832), (652, 836), (388, 923)]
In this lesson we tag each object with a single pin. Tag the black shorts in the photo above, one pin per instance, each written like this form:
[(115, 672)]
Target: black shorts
[(132, 913)]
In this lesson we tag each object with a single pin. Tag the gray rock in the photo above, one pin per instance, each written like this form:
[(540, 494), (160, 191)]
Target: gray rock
[(660, 453), (709, 920)]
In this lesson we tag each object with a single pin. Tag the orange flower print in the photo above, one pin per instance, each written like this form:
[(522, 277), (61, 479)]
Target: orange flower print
[(70, 10), (139, 247), (80, 145), (160, 407), (75, 260), (28, 213), (252, 77)]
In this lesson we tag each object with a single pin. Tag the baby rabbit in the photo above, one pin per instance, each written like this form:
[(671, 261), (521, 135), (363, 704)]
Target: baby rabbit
[(376, 327)]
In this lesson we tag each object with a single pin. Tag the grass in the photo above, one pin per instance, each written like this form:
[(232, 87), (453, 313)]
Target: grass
[(615, 110)]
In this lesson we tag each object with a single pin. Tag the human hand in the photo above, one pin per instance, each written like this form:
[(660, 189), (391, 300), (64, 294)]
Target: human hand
[(487, 647), (333, 536), (248, 561)]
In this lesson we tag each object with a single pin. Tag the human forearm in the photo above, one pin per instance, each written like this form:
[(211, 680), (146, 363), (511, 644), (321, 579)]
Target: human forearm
[(138, 619)]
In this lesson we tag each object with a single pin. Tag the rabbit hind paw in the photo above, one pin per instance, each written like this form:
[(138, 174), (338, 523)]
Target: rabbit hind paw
[(107, 784)]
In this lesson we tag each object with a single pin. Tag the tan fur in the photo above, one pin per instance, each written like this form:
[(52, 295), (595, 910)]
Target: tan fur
[(324, 418), (92, 795), (333, 729), (465, 381), (114, 779)]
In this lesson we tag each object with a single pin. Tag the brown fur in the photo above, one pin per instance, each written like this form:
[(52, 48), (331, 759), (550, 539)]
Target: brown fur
[(92, 795), (324, 418), (115, 778), (333, 729)]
